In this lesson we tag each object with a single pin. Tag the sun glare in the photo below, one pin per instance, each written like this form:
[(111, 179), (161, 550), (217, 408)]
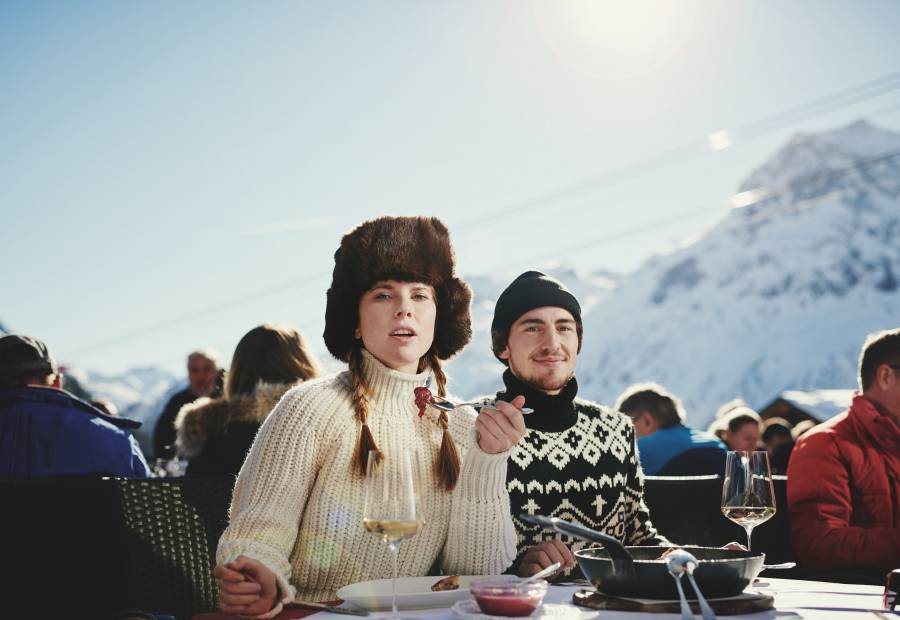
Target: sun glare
[(605, 37)]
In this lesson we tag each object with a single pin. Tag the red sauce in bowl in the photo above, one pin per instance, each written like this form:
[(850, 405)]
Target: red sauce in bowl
[(508, 597)]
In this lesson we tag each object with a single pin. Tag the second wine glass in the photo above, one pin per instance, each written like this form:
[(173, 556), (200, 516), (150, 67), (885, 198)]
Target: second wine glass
[(748, 497), (392, 509)]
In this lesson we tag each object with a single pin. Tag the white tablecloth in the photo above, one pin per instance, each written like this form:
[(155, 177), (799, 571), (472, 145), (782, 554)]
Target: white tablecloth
[(793, 599)]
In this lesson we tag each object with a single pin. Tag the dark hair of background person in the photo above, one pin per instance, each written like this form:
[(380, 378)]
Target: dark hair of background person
[(272, 353), (777, 427), (880, 348), (665, 408), (740, 416)]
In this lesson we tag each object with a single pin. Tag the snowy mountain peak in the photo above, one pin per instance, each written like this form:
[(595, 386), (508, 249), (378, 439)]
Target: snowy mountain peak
[(858, 156)]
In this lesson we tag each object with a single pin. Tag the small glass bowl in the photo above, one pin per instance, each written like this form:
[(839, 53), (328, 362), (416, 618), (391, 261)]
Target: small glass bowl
[(508, 597)]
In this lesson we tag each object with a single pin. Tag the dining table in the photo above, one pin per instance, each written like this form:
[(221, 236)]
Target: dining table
[(794, 598)]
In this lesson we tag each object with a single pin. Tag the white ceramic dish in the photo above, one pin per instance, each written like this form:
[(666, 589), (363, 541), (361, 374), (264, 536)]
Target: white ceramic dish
[(412, 593)]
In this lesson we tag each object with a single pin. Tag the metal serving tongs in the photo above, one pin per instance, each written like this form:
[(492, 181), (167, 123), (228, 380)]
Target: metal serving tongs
[(680, 561)]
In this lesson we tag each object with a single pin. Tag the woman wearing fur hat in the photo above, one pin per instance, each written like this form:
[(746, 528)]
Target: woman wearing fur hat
[(216, 434), (394, 311)]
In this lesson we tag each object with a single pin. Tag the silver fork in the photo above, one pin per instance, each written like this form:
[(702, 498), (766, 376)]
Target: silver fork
[(439, 402)]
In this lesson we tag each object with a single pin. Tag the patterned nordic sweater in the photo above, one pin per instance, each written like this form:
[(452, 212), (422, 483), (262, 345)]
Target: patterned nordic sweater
[(298, 506), (578, 462)]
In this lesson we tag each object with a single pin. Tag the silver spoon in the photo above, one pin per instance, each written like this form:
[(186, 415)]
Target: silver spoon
[(675, 569), (688, 563)]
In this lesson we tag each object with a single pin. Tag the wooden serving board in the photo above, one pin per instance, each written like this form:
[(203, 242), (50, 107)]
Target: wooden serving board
[(745, 603)]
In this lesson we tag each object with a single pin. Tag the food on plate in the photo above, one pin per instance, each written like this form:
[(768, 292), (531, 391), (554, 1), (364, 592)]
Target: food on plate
[(424, 397), (508, 597), (447, 583)]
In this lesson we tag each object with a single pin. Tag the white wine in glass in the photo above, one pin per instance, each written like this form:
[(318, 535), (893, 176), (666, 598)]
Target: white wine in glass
[(748, 497), (392, 510)]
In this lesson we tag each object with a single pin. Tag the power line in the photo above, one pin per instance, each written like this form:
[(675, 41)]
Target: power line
[(766, 194), (662, 160), (694, 149)]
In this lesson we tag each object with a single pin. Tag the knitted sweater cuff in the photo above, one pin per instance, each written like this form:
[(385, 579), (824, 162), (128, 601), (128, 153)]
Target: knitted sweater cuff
[(482, 476)]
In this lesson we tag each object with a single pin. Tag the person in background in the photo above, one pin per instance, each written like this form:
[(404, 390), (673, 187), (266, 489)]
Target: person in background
[(395, 310), (844, 491), (216, 434), (578, 459), (204, 379), (779, 443), (46, 431), (741, 429), (666, 445)]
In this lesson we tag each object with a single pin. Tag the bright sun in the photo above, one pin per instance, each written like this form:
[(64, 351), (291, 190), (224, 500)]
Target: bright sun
[(627, 37)]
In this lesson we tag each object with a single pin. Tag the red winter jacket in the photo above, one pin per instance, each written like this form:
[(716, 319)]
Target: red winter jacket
[(843, 492)]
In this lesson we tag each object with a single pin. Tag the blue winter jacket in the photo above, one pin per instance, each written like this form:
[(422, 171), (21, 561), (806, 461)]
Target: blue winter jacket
[(49, 432)]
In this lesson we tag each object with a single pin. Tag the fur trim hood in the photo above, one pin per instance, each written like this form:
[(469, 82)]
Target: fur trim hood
[(198, 420), (409, 249)]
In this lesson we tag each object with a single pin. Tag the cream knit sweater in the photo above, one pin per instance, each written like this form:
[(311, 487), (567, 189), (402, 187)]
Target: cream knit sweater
[(298, 506)]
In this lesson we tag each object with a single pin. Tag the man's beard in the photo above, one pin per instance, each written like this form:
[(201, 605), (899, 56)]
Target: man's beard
[(542, 384)]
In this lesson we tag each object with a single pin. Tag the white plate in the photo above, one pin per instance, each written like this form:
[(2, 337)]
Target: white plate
[(468, 610), (412, 593)]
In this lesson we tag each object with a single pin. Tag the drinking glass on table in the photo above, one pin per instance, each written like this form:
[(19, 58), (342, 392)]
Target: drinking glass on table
[(748, 497), (392, 509)]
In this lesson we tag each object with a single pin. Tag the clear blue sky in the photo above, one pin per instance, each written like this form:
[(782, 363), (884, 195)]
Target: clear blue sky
[(162, 159)]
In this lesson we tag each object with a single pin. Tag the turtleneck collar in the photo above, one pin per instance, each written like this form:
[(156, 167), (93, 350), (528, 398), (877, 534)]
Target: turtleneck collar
[(552, 413), (390, 390)]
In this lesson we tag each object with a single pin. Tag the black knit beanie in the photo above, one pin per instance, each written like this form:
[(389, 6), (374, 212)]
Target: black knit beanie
[(531, 290)]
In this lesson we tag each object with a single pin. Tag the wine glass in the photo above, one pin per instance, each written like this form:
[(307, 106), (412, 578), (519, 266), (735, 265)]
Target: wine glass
[(391, 509), (748, 497)]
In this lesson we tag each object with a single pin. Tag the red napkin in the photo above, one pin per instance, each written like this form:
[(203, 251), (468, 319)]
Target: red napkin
[(286, 614)]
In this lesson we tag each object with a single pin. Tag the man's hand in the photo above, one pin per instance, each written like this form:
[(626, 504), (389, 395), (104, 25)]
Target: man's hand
[(543, 555), (500, 429), (246, 587)]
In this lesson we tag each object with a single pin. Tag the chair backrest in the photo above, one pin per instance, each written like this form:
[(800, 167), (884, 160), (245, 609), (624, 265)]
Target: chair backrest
[(91, 547), (170, 529), (696, 462), (688, 510)]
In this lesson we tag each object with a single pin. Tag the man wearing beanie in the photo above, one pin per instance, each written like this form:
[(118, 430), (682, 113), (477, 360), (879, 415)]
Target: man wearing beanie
[(577, 460), (45, 431)]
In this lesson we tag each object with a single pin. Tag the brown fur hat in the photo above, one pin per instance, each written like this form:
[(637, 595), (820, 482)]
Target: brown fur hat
[(407, 249)]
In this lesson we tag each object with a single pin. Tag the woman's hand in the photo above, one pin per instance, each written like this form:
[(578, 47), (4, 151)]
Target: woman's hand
[(500, 429), (246, 587)]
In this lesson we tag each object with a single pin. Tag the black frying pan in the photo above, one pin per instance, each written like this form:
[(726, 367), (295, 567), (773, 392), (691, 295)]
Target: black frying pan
[(640, 572)]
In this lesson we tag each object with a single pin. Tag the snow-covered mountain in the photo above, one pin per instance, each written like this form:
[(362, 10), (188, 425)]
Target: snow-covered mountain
[(778, 296), (139, 394)]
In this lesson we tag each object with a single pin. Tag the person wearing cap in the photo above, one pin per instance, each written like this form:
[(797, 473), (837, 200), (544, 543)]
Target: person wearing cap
[(204, 380), (577, 460), (395, 310), (46, 431), (844, 489), (666, 444)]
